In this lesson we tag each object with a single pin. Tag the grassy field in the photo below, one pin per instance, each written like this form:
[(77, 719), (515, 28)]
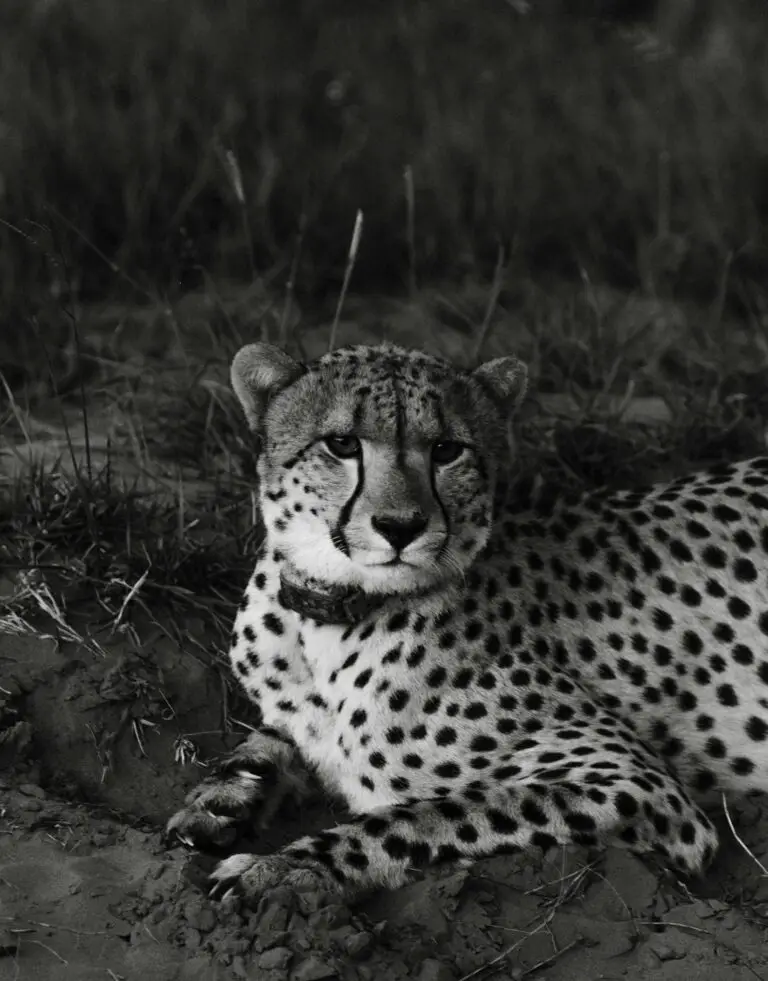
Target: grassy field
[(177, 178)]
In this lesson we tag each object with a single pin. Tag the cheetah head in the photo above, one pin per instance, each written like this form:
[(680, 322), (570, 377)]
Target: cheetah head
[(378, 466)]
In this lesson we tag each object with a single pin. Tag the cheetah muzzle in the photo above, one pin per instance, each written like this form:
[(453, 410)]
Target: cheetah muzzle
[(473, 664)]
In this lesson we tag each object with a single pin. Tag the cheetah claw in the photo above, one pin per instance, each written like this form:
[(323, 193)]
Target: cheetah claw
[(249, 876), (214, 811)]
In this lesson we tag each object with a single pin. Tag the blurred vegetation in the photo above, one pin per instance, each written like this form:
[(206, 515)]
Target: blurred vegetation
[(543, 133)]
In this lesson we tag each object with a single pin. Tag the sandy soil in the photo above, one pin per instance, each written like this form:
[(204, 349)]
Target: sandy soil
[(88, 889)]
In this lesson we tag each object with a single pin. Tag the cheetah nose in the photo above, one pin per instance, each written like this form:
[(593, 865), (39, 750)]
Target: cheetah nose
[(399, 531)]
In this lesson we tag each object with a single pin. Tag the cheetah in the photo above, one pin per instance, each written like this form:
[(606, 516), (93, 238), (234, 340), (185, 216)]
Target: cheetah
[(475, 662)]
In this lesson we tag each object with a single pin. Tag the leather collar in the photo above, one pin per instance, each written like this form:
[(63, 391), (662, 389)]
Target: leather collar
[(342, 606)]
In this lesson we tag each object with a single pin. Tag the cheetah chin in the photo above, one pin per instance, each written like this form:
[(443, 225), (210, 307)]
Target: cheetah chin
[(476, 663)]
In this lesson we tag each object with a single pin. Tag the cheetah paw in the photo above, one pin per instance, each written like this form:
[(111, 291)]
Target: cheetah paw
[(215, 810), (250, 876)]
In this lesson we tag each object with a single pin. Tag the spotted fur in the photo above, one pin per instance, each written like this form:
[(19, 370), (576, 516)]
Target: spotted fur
[(546, 669)]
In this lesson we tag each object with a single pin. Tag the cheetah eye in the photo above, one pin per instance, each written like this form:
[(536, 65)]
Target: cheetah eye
[(343, 446), (447, 451)]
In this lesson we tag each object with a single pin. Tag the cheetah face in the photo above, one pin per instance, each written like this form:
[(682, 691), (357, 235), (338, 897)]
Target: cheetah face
[(378, 466)]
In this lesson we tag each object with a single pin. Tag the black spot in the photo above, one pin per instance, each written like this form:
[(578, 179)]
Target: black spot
[(714, 588), (357, 860), (399, 699), (744, 540), (725, 513), (395, 736), (450, 770), (704, 780), (680, 551), (744, 570), (738, 608), (687, 833), (413, 761), (532, 812), (273, 623), (726, 695), (692, 642), (375, 826), (690, 596), (715, 748), (687, 701), (397, 621), (393, 655), (723, 632), (742, 654), (577, 821), (533, 701), (662, 620), (586, 649), (542, 840), (363, 678), (500, 822), (416, 656), (651, 561), (742, 766), (626, 804), (756, 729), (395, 846), (701, 676), (436, 676), (714, 557), (451, 810), (483, 744), (445, 736)]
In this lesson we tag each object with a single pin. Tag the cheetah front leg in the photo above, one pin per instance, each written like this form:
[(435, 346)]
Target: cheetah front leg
[(245, 791), (644, 808)]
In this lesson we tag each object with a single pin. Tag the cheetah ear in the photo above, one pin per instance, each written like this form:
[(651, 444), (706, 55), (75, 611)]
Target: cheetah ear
[(258, 372), (507, 379)]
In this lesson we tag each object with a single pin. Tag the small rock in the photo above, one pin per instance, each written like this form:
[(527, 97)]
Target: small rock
[(32, 790), (718, 906), (432, 970), (239, 968), (197, 969), (192, 938), (200, 917), (311, 902), (312, 969), (277, 957), (330, 917), (358, 945), (31, 805)]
